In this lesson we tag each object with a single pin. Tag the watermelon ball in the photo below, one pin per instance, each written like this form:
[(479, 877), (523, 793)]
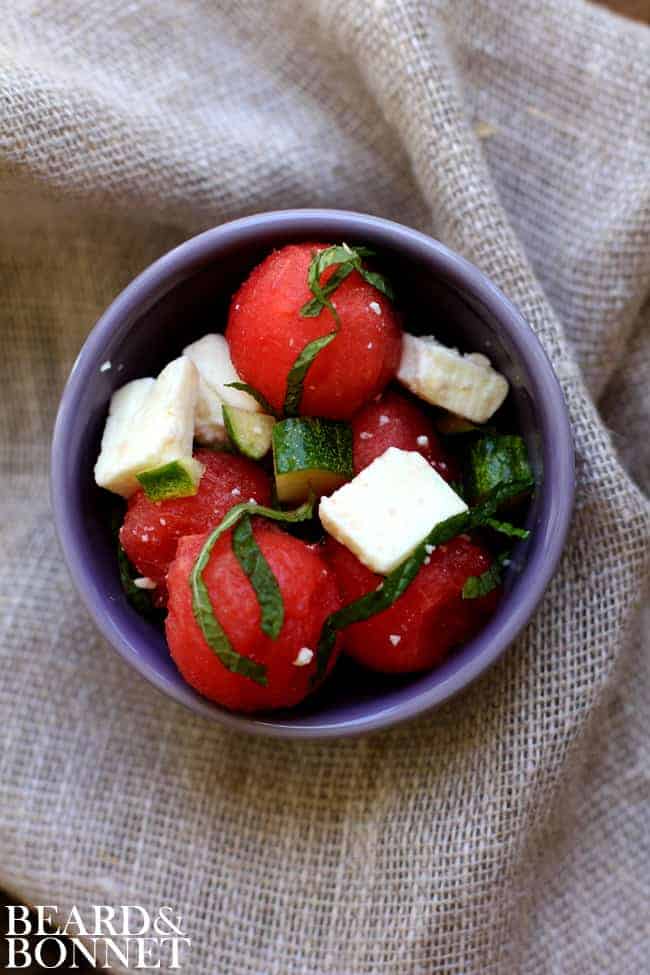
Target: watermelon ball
[(266, 333), (151, 529), (430, 618), (309, 594), (394, 420)]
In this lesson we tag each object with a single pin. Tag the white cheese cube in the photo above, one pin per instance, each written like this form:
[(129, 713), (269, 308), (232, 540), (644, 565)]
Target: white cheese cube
[(386, 510), (464, 384), (150, 423), (211, 356)]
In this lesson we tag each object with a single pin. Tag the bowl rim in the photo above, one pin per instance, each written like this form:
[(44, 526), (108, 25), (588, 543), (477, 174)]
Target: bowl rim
[(197, 252)]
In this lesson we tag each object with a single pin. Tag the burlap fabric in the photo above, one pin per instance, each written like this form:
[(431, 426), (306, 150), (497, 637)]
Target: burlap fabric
[(509, 831)]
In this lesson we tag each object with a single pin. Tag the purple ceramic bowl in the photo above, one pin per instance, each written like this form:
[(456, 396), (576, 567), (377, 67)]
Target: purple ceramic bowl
[(185, 294)]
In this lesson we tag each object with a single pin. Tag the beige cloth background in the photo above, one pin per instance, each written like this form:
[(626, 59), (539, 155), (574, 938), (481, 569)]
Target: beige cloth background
[(508, 832)]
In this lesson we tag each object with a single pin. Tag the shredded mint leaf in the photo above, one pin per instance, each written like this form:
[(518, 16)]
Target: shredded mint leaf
[(259, 572), (298, 371), (506, 528), (139, 599), (378, 281), (319, 262), (349, 259), (212, 630), (396, 582), (255, 393), (477, 586), (314, 307)]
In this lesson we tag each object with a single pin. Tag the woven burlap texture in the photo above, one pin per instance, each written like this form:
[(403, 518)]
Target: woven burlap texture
[(508, 832)]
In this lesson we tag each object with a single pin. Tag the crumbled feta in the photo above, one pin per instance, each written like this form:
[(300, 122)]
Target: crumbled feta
[(464, 384), (105, 366), (383, 420), (236, 492), (144, 582), (211, 356), (429, 549), (304, 657), (375, 306), (479, 359), (383, 513), (150, 423)]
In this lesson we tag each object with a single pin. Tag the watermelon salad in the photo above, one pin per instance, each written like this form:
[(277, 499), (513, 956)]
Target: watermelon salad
[(315, 481)]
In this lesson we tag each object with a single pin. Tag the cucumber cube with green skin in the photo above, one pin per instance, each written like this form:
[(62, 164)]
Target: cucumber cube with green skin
[(178, 479), (494, 460), (311, 455), (250, 433)]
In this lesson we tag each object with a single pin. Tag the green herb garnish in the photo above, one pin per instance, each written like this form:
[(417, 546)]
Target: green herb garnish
[(139, 599), (506, 528), (204, 614), (397, 581), (349, 259), (298, 371), (477, 586), (255, 393), (259, 572)]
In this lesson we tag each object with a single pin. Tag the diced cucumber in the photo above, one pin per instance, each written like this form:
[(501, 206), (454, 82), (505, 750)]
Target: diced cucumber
[(494, 460), (249, 432), (310, 454), (178, 479)]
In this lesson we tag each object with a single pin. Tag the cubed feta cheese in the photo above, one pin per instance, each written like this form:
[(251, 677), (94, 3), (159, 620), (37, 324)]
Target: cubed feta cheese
[(464, 384), (383, 513), (150, 423), (211, 356)]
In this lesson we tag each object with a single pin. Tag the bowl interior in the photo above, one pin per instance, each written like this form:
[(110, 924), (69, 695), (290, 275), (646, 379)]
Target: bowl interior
[(185, 295)]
